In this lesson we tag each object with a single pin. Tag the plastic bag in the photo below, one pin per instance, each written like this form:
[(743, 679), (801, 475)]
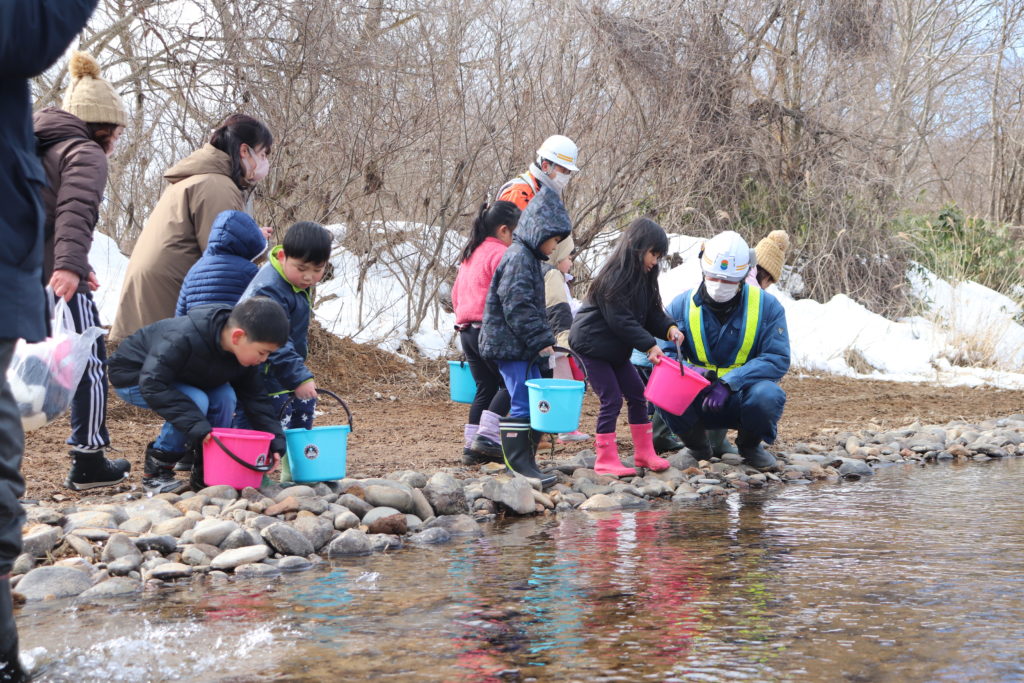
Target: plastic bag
[(44, 376)]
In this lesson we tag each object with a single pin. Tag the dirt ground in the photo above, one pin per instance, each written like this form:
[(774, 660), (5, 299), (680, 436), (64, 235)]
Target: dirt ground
[(404, 420)]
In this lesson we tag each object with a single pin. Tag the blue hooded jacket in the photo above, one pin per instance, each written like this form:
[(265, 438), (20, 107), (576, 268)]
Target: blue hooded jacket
[(225, 269), (515, 324)]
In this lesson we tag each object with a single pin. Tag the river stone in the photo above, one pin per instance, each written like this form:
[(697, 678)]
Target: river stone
[(80, 546), (411, 478), (682, 460), (318, 531), (174, 527), (389, 497), (38, 514), (445, 495), (456, 525), (136, 525), (287, 540), (421, 506), (53, 582), (574, 498), (298, 491), (350, 542), (156, 510), (256, 570), (218, 491), (23, 564), (123, 566), (294, 563), (283, 507), (379, 513), (600, 501), (516, 494), (89, 518), (432, 536), (194, 503), (170, 570), (382, 542), (40, 540), (855, 469), (413, 523), (261, 522), (115, 587), (590, 489), (91, 533), (629, 500), (542, 498), (213, 531), (394, 525), (194, 556), (162, 543), (229, 559), (118, 546), (357, 505), (988, 449), (317, 506), (346, 520)]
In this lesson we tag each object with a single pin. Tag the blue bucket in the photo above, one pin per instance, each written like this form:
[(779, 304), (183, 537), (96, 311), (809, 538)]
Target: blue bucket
[(318, 454), (461, 385), (555, 404)]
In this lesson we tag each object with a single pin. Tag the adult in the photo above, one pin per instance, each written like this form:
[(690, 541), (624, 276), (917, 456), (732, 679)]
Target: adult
[(74, 143), (554, 166), (736, 335), (212, 179), (33, 35)]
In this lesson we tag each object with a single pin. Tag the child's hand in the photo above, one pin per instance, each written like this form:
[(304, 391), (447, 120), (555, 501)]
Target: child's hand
[(277, 463), (306, 390), (654, 354), (267, 231)]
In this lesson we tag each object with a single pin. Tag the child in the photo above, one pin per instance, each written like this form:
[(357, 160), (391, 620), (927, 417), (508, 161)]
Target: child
[(623, 311), (491, 236), (226, 267), (294, 267), (515, 328), (192, 370)]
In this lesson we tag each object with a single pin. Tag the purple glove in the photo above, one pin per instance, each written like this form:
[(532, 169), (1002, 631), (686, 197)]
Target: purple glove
[(716, 397)]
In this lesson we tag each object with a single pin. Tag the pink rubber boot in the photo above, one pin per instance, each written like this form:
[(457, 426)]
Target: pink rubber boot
[(608, 457), (643, 448)]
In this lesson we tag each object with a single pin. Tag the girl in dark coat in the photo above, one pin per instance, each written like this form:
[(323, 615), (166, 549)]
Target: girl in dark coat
[(623, 311), (515, 327)]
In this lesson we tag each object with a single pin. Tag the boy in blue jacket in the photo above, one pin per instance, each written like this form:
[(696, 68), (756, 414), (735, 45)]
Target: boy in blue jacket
[(736, 335), (226, 268), (293, 268)]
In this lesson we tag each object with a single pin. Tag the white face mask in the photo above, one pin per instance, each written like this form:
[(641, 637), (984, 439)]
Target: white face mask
[(261, 168), (559, 180), (721, 291)]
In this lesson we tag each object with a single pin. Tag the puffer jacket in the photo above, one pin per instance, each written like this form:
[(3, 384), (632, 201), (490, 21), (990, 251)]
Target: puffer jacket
[(515, 324), (76, 168), (188, 350), (226, 268), (174, 237), (286, 368), (610, 330)]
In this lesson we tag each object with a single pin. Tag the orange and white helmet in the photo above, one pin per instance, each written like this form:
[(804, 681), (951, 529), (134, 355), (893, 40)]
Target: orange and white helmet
[(560, 150)]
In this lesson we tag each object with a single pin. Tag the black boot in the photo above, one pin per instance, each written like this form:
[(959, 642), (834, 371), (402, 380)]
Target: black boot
[(196, 480), (158, 471), (185, 464), (753, 453), (519, 447), (720, 445), (10, 666), (91, 469), (665, 440), (696, 442)]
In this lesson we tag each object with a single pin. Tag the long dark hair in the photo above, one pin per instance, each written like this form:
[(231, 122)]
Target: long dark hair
[(238, 130), (623, 273), (101, 134), (487, 222)]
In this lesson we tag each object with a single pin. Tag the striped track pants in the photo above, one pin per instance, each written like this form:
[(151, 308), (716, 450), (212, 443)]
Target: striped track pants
[(89, 406)]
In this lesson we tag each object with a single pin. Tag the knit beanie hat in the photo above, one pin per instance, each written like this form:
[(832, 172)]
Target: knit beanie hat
[(771, 253), (89, 97)]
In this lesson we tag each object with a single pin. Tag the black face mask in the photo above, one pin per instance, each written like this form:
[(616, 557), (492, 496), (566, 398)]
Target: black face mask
[(723, 310)]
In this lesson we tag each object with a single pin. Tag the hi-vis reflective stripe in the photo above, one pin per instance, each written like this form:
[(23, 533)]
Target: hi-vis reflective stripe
[(564, 157), (751, 320)]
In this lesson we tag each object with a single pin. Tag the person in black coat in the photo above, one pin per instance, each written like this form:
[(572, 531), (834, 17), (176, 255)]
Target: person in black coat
[(33, 35), (624, 312), (515, 328), (192, 370)]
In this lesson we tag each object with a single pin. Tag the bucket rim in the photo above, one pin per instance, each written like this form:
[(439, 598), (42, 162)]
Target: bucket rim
[(549, 384)]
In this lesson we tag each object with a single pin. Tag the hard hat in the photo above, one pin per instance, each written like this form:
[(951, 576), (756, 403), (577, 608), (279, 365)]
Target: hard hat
[(726, 256), (560, 150)]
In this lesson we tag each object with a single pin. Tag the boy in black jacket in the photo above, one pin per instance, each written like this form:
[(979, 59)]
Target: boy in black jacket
[(192, 370)]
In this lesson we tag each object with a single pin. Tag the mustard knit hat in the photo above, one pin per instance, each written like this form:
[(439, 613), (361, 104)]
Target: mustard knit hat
[(89, 97), (771, 253)]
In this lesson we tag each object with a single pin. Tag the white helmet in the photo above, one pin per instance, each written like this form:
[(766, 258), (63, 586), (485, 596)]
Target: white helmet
[(726, 256), (560, 150)]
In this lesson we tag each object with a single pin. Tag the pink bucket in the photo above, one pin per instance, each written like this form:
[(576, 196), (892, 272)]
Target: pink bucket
[(237, 457), (671, 390)]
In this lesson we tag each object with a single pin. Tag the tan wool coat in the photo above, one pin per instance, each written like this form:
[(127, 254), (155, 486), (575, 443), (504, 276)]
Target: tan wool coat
[(174, 237)]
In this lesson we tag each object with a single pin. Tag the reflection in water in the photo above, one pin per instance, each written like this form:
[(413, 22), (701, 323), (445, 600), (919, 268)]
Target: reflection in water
[(911, 576)]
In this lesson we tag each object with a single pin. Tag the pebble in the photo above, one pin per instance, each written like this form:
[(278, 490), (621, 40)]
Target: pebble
[(45, 583), (115, 587), (350, 542), (170, 570), (229, 559), (287, 540)]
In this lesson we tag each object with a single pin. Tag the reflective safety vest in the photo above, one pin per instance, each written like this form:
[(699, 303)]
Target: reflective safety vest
[(753, 304), (523, 179)]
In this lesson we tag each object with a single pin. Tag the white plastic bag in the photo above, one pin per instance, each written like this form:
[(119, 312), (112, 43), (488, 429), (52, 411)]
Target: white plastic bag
[(43, 376)]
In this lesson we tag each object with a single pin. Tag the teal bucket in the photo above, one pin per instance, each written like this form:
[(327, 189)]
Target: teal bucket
[(318, 454), (555, 404), (461, 385)]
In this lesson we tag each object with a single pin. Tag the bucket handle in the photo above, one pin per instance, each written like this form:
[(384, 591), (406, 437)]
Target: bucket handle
[(248, 465), (568, 352), (351, 425)]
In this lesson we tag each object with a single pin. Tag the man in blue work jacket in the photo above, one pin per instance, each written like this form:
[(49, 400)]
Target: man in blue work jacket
[(736, 336)]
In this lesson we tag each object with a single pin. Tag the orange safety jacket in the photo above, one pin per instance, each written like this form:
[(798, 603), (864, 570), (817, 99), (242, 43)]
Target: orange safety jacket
[(520, 190)]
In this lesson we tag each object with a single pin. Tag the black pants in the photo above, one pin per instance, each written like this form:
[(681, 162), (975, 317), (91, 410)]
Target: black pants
[(12, 446), (89, 406), (491, 393)]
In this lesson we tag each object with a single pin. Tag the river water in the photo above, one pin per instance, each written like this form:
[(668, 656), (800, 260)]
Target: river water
[(912, 575)]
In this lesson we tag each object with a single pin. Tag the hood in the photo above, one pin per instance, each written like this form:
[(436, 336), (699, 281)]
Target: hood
[(545, 217), (209, 321), (236, 233), (54, 125), (206, 159)]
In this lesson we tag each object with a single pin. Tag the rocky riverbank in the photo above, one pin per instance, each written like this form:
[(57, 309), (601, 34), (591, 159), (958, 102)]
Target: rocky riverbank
[(109, 546)]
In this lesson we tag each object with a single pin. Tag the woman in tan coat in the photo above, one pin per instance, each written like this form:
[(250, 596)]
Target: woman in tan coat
[(210, 180)]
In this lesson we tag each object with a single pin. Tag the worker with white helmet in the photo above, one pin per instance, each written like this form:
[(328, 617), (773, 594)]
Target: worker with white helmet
[(736, 335), (556, 162)]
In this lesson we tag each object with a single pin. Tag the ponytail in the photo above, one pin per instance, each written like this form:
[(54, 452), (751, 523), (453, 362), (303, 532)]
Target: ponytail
[(487, 222)]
